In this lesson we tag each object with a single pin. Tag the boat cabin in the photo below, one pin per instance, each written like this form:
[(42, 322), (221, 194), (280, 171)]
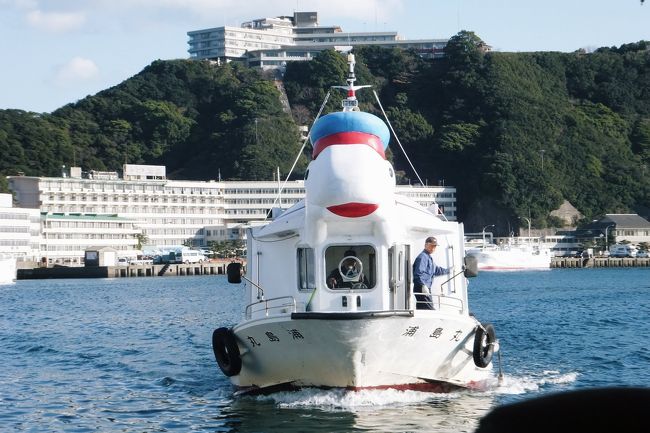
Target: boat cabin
[(360, 272)]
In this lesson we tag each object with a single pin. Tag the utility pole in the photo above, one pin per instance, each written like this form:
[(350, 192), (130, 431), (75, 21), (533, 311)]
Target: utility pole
[(483, 231), (527, 219)]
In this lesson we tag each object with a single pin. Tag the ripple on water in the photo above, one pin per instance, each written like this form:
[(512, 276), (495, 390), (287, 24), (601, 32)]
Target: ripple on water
[(134, 355)]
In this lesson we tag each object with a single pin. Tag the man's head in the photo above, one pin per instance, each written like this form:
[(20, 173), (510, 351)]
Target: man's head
[(430, 244)]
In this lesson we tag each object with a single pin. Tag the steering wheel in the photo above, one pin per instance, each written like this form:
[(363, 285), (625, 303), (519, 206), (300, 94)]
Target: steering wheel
[(357, 286)]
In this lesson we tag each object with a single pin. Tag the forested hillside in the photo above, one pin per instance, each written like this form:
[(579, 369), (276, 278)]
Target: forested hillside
[(516, 133), (194, 117)]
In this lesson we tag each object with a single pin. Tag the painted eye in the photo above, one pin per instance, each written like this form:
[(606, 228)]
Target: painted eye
[(390, 171), (306, 174)]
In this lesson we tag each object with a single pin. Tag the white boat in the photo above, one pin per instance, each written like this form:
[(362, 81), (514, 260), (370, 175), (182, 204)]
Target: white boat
[(511, 255), (7, 269), (300, 330)]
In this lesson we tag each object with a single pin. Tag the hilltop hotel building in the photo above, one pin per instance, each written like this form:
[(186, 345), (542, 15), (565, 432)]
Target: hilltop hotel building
[(100, 209), (272, 42), (20, 230)]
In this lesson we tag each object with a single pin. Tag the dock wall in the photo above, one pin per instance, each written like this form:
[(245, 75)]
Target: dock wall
[(599, 262), (219, 268), (211, 268)]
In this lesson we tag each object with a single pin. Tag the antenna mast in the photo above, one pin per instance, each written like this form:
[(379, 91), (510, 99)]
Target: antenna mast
[(351, 103)]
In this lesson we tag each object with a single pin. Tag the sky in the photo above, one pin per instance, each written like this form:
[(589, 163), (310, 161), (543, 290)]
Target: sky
[(55, 52)]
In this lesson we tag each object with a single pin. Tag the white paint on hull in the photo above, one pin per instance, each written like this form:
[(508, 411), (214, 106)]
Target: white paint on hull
[(371, 352)]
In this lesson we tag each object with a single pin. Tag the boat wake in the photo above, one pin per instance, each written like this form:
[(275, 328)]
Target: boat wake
[(341, 399), (385, 410), (345, 399), (531, 382)]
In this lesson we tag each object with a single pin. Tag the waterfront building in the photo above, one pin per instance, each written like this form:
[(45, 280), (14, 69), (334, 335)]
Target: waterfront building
[(630, 228), (270, 43), (67, 236), (20, 232), (143, 207), (562, 244), (601, 234)]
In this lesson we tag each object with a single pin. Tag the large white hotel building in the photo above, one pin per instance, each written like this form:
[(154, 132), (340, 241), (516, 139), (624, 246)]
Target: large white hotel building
[(272, 42), (99, 209), (20, 230)]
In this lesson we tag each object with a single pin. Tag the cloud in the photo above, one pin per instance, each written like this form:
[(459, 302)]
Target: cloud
[(102, 14), (252, 9), (77, 69), (56, 21)]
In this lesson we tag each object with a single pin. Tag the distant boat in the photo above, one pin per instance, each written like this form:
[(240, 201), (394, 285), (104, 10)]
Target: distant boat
[(512, 255), (7, 269)]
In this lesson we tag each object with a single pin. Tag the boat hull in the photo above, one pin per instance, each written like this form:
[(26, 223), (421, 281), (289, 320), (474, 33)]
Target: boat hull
[(429, 351), (511, 259)]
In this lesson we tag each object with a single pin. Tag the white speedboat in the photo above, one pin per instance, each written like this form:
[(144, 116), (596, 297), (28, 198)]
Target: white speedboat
[(511, 256), (7, 269), (328, 283)]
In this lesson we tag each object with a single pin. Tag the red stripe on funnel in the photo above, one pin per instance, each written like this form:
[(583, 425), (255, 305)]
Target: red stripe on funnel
[(353, 210), (349, 137)]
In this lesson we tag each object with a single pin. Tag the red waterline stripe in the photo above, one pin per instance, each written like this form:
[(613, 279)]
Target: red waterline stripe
[(433, 387)]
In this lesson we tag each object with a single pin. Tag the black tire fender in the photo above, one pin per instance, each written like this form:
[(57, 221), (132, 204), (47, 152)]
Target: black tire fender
[(226, 351), (484, 340)]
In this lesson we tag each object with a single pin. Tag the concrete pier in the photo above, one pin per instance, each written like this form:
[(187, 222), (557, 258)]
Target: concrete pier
[(208, 268), (219, 268), (130, 271), (599, 262)]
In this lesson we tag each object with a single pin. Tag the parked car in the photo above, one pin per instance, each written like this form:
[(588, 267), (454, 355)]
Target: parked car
[(622, 250), (190, 256), (642, 254), (122, 261)]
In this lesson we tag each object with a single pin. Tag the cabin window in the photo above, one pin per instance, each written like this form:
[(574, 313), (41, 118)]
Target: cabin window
[(350, 267), (306, 276)]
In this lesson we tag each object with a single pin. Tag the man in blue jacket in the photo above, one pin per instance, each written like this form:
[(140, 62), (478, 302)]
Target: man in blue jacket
[(423, 272)]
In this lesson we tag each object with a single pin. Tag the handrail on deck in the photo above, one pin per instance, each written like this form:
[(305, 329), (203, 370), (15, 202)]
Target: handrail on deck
[(440, 301), (267, 305)]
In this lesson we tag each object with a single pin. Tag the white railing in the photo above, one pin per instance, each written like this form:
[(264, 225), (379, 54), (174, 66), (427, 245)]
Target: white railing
[(274, 306), (440, 302)]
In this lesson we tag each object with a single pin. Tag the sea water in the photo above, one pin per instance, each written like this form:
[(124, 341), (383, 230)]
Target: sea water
[(134, 355)]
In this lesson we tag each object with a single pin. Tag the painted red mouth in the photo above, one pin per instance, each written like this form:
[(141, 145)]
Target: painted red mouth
[(353, 210)]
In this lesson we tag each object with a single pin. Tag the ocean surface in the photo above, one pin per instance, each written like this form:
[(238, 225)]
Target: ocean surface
[(134, 355)]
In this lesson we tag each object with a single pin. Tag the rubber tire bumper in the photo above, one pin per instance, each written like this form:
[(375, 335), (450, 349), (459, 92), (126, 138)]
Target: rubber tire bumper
[(226, 351), (484, 345)]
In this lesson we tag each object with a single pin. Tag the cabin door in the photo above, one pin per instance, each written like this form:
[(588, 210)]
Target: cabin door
[(399, 276)]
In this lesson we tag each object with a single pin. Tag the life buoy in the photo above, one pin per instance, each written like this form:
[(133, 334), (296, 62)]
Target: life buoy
[(226, 351), (484, 345)]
